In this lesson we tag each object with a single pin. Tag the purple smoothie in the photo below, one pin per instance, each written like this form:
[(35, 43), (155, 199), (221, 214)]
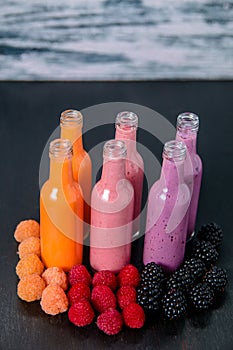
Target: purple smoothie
[(167, 212), (187, 128)]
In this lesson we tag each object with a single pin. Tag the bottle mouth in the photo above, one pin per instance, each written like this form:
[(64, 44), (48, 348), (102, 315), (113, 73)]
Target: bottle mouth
[(174, 150), (126, 120), (60, 148), (187, 121), (114, 149), (71, 118)]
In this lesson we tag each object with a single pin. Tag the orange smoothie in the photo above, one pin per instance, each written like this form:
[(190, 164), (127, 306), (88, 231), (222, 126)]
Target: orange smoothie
[(61, 211), (71, 123)]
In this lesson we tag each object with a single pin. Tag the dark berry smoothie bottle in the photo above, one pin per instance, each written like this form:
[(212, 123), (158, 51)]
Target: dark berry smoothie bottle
[(187, 129), (167, 212)]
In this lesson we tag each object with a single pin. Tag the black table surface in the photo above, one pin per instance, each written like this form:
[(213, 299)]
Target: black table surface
[(28, 114)]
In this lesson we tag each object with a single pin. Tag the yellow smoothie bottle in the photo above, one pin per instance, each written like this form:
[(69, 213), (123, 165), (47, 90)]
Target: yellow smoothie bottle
[(61, 211), (71, 123)]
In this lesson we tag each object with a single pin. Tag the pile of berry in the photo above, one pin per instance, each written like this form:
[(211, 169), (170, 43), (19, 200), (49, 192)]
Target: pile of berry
[(112, 298), (194, 286), (122, 299), (48, 286), (109, 297)]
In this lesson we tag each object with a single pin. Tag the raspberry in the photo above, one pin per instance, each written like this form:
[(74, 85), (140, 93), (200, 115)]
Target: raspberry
[(105, 277), (55, 275), (54, 300), (79, 273), (103, 298), (28, 265), (125, 296), (81, 314), (30, 245), (25, 229), (134, 316), (79, 292), (110, 322), (129, 276), (30, 288)]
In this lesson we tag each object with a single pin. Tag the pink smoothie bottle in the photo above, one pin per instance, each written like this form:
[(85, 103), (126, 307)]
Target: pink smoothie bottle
[(112, 204), (126, 129), (167, 212), (187, 129)]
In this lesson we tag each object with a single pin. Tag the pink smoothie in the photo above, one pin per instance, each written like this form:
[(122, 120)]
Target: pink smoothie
[(192, 164), (126, 129), (111, 217), (167, 217)]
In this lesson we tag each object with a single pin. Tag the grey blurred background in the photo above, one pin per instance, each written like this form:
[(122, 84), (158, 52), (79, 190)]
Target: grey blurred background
[(116, 40)]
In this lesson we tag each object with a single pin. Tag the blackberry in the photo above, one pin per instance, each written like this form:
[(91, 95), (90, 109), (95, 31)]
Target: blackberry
[(191, 247), (201, 296), (211, 233), (205, 251), (196, 266), (149, 296), (180, 279), (174, 304), (216, 279), (150, 290), (152, 273)]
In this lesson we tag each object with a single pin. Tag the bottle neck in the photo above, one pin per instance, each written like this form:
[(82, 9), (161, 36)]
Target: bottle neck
[(128, 136), (172, 173), (190, 140), (113, 171), (74, 134), (61, 172)]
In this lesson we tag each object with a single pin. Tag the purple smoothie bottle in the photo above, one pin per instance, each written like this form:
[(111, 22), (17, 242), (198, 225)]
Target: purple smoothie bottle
[(167, 211), (126, 130), (187, 129)]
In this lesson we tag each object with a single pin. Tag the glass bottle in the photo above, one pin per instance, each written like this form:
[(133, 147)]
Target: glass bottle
[(71, 123), (112, 204), (126, 130), (61, 211), (187, 129), (167, 212)]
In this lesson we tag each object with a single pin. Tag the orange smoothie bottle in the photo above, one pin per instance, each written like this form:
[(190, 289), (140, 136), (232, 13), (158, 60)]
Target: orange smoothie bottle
[(61, 211), (71, 123)]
